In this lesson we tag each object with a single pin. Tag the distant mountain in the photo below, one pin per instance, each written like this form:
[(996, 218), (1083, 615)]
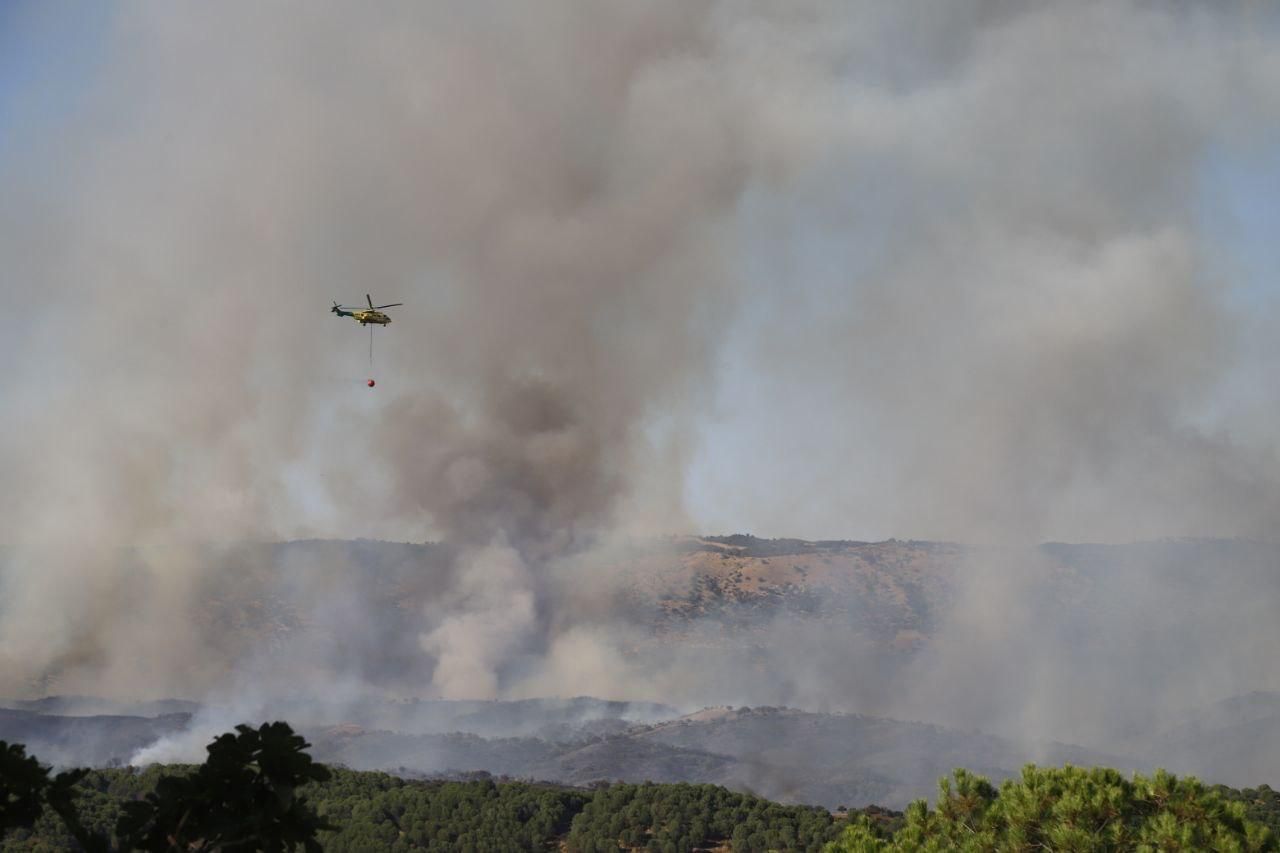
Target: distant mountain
[(783, 754), (891, 593), (1236, 741), (369, 602), (1157, 619), (88, 706), (97, 740)]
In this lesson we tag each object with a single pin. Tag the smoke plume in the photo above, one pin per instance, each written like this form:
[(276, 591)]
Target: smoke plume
[(821, 269)]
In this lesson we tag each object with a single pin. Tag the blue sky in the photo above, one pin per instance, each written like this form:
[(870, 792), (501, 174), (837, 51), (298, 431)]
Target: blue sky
[(48, 54), (1240, 216)]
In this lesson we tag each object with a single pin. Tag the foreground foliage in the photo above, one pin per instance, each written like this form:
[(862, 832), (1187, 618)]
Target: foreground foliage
[(1071, 809), (243, 798), (27, 791), (1261, 804), (685, 817), (369, 811)]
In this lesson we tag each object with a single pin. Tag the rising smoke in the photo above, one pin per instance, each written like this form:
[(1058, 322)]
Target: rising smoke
[(829, 268)]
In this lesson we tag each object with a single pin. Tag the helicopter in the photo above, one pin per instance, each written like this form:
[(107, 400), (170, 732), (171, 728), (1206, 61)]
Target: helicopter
[(365, 316)]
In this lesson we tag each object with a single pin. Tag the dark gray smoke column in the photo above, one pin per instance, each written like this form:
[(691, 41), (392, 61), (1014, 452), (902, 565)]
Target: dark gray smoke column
[(588, 174), (547, 191)]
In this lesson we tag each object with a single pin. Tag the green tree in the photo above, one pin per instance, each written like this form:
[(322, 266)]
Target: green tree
[(1069, 809), (243, 798), (26, 790)]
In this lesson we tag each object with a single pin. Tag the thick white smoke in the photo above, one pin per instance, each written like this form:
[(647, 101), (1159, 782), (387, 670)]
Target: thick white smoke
[(831, 268)]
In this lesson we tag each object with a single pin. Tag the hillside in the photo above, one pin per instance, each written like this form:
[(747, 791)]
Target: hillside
[(783, 754), (1232, 739), (99, 740), (371, 599), (890, 592), (993, 649)]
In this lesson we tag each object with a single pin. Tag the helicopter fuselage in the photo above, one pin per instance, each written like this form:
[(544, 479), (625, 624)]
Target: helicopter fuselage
[(366, 316)]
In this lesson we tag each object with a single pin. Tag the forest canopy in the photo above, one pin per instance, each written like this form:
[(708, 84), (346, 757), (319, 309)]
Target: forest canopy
[(259, 790)]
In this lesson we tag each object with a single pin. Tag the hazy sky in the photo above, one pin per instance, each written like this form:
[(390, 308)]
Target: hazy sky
[(973, 270), (785, 430), (927, 288)]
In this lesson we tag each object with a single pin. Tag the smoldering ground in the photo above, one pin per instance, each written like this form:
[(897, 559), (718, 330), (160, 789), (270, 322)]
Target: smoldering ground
[(832, 270)]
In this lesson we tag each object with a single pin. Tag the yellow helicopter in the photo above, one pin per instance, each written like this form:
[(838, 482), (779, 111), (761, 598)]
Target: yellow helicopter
[(365, 316)]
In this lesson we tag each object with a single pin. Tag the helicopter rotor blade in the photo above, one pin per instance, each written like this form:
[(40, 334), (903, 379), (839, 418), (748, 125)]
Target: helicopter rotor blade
[(370, 298), (392, 305)]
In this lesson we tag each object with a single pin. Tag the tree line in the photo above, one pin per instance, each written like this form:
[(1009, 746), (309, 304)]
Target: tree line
[(259, 790)]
